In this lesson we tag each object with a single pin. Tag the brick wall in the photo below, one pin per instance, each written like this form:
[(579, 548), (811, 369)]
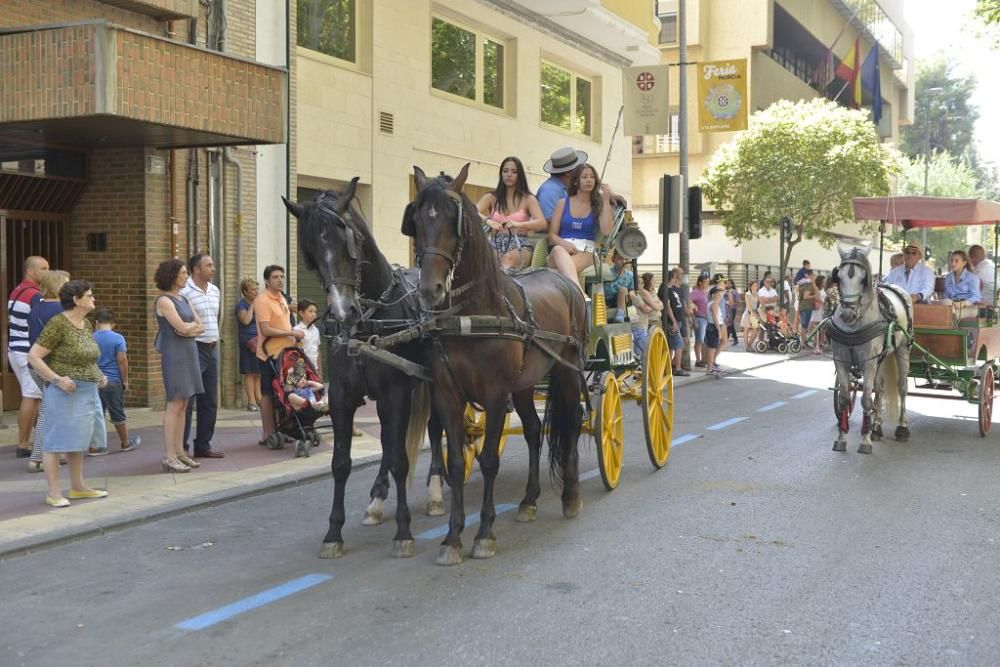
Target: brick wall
[(40, 12)]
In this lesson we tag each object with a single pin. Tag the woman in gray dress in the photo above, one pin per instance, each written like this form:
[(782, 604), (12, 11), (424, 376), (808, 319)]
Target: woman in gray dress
[(178, 326)]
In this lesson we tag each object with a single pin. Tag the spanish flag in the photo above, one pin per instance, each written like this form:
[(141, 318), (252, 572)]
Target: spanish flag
[(848, 70)]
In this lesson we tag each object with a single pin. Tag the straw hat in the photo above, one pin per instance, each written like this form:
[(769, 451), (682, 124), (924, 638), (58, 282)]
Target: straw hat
[(564, 159)]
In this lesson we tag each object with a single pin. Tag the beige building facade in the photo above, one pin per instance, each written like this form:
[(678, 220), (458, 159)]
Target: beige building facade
[(782, 41), (442, 84)]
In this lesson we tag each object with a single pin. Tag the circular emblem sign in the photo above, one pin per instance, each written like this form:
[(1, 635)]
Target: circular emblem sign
[(645, 81), (723, 101)]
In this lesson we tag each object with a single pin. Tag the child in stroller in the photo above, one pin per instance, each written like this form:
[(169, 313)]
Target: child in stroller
[(776, 334), (300, 400)]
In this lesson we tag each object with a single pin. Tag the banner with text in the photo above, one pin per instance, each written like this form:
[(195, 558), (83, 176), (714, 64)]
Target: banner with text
[(722, 96), (644, 94)]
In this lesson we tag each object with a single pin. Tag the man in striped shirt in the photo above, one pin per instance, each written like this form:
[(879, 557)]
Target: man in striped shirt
[(18, 308), (206, 300)]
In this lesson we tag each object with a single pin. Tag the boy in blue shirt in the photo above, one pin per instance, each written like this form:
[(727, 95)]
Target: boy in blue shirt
[(114, 364)]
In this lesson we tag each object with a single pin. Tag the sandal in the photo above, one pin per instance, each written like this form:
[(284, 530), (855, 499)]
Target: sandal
[(173, 465), (34, 466), (190, 463)]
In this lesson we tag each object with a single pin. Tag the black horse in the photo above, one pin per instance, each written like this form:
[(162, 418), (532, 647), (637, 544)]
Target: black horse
[(460, 274), (336, 243)]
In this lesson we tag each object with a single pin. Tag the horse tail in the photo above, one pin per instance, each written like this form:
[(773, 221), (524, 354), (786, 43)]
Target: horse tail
[(563, 416), (420, 411), (890, 387)]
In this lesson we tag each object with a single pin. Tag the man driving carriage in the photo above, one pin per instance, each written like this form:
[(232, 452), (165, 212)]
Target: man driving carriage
[(913, 275)]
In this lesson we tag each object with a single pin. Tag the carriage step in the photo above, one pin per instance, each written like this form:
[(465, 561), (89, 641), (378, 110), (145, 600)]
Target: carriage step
[(935, 385)]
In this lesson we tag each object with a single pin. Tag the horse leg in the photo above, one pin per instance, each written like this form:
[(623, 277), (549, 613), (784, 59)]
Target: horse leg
[(524, 403), (843, 406), (485, 544), (563, 418), (867, 405), (903, 366), (380, 491), (450, 409), (394, 419), (878, 403), (343, 426), (435, 501)]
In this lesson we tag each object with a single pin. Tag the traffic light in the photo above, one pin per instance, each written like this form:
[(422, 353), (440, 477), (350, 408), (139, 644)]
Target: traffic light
[(670, 203), (694, 212)]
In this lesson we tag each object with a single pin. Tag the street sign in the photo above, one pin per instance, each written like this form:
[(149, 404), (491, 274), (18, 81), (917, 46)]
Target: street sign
[(644, 94)]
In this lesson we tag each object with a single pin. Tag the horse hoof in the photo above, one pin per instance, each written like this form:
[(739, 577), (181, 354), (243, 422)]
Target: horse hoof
[(526, 513), (403, 549), (902, 433), (839, 446), (864, 449), (449, 555), (876, 435), (435, 508), (484, 548), (572, 507), (372, 518), (331, 550)]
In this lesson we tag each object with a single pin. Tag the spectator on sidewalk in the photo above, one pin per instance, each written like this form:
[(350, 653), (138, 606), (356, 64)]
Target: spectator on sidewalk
[(206, 300), (308, 313), (806, 305), (113, 362), (713, 331), (801, 273), (18, 309), (44, 307), (677, 318), (65, 355), (275, 331), (750, 321), (246, 330), (175, 341), (732, 301), (699, 303)]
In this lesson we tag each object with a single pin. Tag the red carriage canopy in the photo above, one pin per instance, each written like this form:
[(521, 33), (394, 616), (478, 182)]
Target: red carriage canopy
[(915, 212)]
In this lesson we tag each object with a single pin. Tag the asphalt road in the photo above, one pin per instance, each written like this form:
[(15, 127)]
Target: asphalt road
[(755, 545)]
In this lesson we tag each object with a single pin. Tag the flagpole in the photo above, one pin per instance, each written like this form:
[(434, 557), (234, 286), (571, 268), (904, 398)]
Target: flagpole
[(829, 51)]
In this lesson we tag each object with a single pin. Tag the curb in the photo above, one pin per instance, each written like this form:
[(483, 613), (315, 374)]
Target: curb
[(61, 536)]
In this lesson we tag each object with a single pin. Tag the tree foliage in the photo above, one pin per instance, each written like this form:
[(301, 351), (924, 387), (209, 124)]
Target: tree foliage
[(327, 26), (945, 178), (805, 160), (949, 114), (988, 11)]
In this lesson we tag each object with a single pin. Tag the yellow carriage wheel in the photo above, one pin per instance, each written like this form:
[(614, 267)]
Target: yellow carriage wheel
[(658, 399), (475, 436), (609, 431)]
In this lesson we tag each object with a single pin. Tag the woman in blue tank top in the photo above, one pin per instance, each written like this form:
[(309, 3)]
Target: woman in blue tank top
[(575, 222)]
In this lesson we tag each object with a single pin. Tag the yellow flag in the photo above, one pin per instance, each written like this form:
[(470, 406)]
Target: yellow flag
[(722, 95)]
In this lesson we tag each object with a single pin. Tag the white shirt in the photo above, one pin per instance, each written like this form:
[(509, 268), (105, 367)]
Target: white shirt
[(918, 280), (310, 343), (768, 293), (985, 271), (208, 306)]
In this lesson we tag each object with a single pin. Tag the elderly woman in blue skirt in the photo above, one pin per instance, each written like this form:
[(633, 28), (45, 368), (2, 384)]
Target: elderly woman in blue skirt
[(65, 355)]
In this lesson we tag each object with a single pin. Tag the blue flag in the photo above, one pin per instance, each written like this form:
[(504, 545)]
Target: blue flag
[(870, 81)]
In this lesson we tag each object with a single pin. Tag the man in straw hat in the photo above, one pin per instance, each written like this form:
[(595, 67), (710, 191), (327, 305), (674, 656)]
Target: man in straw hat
[(913, 275), (560, 164)]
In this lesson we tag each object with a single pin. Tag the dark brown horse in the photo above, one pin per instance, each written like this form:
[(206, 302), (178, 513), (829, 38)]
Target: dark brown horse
[(460, 274)]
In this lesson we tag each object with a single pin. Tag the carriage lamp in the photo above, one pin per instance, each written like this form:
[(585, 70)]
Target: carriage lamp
[(631, 243)]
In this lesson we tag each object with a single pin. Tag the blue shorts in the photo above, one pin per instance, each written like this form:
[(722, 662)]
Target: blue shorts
[(700, 325), (113, 400), (640, 340), (805, 317), (675, 341)]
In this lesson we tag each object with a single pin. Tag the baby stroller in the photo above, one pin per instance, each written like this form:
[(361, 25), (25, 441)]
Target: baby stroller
[(772, 338), (291, 425)]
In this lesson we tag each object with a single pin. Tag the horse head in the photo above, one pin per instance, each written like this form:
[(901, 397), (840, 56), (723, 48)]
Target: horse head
[(437, 222), (330, 245), (855, 278)]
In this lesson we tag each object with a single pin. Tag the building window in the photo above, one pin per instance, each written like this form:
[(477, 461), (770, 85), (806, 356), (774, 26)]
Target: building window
[(668, 28), (467, 63), (328, 26), (566, 100), (660, 143)]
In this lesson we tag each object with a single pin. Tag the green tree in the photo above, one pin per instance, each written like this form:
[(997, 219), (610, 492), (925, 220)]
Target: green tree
[(988, 11), (804, 160), (945, 178), (949, 113)]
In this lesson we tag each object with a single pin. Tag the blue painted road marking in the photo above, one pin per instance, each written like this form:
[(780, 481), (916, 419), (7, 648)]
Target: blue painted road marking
[(590, 474), (803, 394), (772, 406), (680, 440), (471, 519), (247, 604), (725, 424)]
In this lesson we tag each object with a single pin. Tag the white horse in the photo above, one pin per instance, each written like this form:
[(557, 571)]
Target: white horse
[(869, 332)]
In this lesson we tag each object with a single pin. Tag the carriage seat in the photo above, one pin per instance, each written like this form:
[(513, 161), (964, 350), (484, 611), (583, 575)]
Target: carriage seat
[(541, 254), (939, 286), (934, 315)]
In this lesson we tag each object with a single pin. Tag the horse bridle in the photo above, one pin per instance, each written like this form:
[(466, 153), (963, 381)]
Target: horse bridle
[(352, 252), (454, 257), (853, 300)]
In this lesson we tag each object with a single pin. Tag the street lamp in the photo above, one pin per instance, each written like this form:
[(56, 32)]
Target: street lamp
[(929, 93)]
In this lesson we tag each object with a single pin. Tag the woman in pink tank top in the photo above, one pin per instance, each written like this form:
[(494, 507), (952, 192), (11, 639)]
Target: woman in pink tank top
[(509, 213)]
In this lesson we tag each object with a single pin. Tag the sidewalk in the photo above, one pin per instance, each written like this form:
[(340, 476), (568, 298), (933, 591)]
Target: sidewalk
[(139, 491)]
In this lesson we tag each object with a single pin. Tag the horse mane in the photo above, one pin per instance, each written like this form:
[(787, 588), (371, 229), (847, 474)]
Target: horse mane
[(479, 263), (320, 212)]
